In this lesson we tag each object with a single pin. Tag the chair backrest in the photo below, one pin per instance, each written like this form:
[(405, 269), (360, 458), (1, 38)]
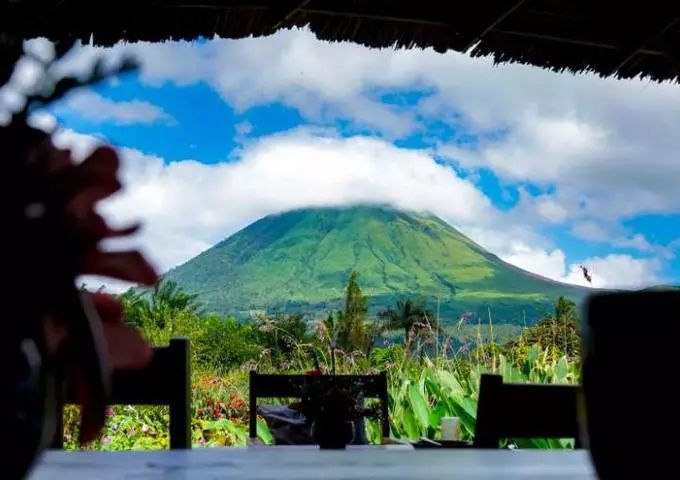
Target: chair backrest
[(508, 410), (292, 386), (165, 381)]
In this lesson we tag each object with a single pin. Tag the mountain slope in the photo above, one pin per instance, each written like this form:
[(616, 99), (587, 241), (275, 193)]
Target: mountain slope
[(301, 260)]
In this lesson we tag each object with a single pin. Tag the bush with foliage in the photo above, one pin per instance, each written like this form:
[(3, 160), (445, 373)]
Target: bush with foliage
[(428, 379)]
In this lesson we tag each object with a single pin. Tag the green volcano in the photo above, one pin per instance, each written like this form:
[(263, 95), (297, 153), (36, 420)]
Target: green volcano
[(300, 261)]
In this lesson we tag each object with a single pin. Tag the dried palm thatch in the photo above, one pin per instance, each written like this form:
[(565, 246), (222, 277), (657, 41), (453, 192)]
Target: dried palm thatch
[(624, 39)]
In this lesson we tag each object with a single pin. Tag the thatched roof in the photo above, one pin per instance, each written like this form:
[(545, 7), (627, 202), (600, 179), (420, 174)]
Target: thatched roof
[(608, 37)]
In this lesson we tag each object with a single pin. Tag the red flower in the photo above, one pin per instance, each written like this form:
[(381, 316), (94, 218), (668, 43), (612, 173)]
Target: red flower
[(237, 403)]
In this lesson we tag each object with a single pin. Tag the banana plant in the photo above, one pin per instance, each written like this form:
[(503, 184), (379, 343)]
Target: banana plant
[(419, 398)]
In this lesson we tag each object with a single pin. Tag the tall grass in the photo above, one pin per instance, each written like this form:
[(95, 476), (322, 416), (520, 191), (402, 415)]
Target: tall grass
[(435, 374), (422, 389)]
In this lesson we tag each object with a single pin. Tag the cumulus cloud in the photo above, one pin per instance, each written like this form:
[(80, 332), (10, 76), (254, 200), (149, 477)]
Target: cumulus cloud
[(608, 147), (604, 149), (95, 108), (611, 271), (291, 67), (550, 264), (617, 271), (615, 235), (188, 206)]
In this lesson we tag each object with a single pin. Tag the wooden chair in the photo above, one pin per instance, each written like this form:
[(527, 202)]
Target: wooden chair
[(507, 410), (166, 381), (291, 386)]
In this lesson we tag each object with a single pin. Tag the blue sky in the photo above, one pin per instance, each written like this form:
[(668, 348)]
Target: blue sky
[(548, 171)]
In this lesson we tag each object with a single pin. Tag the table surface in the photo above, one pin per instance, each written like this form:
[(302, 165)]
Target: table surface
[(299, 463)]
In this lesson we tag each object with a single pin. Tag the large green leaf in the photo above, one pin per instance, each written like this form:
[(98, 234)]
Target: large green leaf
[(447, 379), (263, 432), (420, 407), (561, 370), (410, 425), (373, 431), (532, 355), (441, 410), (467, 419)]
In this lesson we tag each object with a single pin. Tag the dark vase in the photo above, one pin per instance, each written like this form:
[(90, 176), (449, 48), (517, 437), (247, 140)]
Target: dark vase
[(332, 433)]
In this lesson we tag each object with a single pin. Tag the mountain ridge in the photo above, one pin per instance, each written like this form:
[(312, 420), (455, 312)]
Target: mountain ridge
[(300, 260)]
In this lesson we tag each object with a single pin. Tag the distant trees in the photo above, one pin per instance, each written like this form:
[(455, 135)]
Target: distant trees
[(285, 341), (225, 343), (557, 331), (283, 333), (566, 311), (410, 315), (348, 329), (351, 322), (165, 302), (164, 312)]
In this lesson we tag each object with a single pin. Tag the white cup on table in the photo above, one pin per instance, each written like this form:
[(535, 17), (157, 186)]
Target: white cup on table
[(450, 428)]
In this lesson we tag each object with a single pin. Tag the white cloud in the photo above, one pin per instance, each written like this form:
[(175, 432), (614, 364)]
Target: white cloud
[(541, 207), (27, 74), (43, 121), (188, 206), (93, 107), (592, 230), (40, 48), (611, 271), (609, 146), (617, 236), (291, 67), (617, 271), (637, 241), (550, 264)]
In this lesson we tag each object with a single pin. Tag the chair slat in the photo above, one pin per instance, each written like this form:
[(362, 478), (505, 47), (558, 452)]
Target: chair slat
[(507, 410)]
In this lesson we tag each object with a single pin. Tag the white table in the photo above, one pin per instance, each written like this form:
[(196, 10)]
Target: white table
[(307, 464)]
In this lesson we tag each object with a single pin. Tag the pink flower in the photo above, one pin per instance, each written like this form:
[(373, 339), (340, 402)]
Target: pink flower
[(201, 441), (106, 440), (108, 411)]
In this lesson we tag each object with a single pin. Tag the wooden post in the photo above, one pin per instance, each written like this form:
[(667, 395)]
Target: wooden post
[(384, 406), (489, 386), (180, 406), (252, 409)]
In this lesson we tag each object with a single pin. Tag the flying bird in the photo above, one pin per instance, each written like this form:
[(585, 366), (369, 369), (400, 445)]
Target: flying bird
[(586, 274)]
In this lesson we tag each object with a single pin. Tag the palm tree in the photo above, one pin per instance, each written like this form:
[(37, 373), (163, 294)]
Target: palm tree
[(558, 330), (134, 307), (411, 315), (169, 296), (565, 310), (165, 301), (566, 317)]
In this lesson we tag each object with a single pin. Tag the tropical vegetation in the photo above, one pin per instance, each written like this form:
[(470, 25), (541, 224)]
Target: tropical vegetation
[(431, 373)]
